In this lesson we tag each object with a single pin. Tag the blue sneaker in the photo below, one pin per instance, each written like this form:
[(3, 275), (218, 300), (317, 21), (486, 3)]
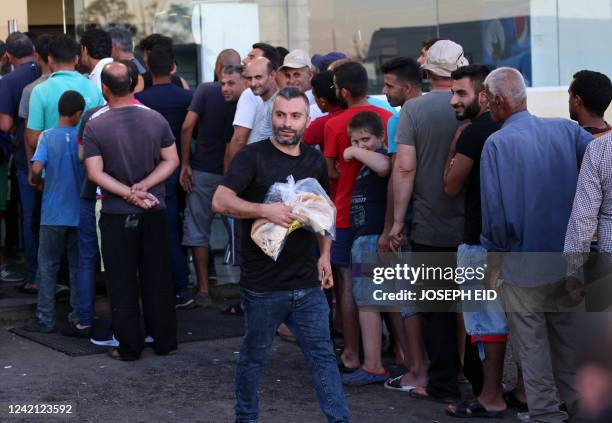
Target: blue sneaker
[(360, 378)]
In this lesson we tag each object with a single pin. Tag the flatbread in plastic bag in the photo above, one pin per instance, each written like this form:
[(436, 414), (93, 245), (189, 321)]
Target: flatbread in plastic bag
[(311, 206)]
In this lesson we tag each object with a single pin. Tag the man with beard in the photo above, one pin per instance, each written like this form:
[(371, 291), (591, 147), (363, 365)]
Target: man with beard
[(289, 289), (487, 329)]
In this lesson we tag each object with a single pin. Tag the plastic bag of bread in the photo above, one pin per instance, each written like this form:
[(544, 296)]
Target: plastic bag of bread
[(311, 206)]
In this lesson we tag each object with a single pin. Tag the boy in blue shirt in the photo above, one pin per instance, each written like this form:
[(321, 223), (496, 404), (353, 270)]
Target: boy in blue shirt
[(57, 155)]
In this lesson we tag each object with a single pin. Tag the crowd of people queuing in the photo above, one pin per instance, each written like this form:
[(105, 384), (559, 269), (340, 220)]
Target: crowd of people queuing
[(462, 169)]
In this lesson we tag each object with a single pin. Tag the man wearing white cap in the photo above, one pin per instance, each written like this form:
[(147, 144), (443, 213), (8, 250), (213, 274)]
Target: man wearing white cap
[(426, 128), (298, 70)]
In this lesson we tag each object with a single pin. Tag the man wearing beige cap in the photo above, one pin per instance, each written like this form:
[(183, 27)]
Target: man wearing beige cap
[(297, 67), (426, 128)]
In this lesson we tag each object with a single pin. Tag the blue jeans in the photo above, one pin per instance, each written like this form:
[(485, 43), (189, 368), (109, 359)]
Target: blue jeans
[(180, 272), (89, 256), (488, 324), (27, 195), (53, 241), (305, 312)]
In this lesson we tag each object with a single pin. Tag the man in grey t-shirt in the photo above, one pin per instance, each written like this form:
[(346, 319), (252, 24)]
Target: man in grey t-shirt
[(425, 131)]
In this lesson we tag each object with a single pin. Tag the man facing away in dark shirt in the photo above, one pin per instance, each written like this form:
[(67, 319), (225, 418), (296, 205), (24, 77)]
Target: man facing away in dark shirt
[(289, 289), (171, 102)]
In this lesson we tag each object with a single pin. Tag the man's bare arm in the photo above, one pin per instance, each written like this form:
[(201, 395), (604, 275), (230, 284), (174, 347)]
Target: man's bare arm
[(31, 137), (95, 172), (237, 143), (226, 202), (169, 162), (404, 171), (186, 176), (6, 123)]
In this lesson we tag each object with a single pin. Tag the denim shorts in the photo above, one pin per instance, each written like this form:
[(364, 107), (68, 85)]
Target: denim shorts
[(363, 247), (341, 247), (482, 326)]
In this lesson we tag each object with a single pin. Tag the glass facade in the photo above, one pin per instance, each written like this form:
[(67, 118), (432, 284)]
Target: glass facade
[(546, 40)]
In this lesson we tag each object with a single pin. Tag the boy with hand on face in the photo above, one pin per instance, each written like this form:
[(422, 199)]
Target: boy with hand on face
[(367, 211)]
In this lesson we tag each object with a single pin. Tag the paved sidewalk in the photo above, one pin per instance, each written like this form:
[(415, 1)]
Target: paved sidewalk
[(195, 385)]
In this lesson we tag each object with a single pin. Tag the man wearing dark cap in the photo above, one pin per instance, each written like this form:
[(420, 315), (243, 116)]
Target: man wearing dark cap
[(322, 62)]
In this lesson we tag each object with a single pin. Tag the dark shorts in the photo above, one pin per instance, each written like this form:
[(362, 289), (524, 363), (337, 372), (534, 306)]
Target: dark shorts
[(341, 247)]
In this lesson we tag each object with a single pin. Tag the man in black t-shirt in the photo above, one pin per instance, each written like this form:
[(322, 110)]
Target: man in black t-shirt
[(487, 329), (289, 289)]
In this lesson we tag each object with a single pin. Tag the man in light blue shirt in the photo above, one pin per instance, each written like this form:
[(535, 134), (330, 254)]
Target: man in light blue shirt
[(529, 169), (43, 113), (57, 155)]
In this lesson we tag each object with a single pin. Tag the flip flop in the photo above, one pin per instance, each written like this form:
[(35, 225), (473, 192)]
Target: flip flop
[(427, 397), (395, 384), (474, 409)]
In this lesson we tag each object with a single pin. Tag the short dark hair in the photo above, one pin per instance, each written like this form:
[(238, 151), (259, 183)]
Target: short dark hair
[(154, 40), (132, 72), (98, 43), (428, 42), (118, 85), (41, 45), (19, 45), (323, 86), (290, 92), (353, 77), (70, 102), (282, 52), (368, 121), (122, 37), (477, 74), (231, 69), (595, 90), (160, 60), (63, 49), (269, 52), (406, 69), (2, 48)]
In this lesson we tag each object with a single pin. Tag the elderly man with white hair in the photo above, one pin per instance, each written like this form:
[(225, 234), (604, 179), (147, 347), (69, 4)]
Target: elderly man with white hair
[(529, 170)]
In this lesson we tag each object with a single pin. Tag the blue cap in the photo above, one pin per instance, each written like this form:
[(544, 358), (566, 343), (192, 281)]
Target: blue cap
[(322, 62)]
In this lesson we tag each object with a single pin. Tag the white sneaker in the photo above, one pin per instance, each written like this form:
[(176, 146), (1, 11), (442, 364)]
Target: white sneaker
[(105, 342)]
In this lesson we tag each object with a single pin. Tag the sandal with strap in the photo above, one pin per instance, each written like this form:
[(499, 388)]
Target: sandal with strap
[(473, 409)]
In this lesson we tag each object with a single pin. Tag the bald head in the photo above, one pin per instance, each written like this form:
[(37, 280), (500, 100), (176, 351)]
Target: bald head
[(260, 73), (227, 57), (115, 78)]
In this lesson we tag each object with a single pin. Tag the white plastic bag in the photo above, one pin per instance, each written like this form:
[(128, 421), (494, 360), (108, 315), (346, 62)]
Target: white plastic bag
[(311, 207)]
